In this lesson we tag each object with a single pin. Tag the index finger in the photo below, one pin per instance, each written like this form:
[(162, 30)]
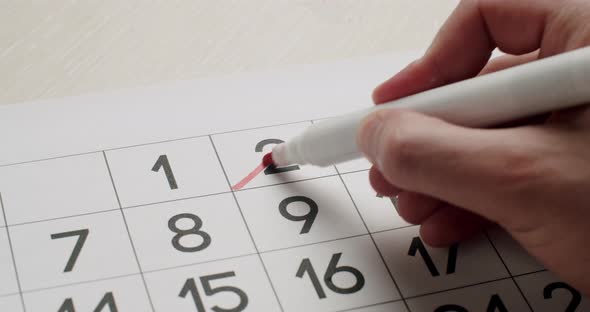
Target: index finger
[(465, 43)]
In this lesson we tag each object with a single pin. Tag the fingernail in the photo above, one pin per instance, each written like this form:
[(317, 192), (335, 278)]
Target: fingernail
[(368, 138)]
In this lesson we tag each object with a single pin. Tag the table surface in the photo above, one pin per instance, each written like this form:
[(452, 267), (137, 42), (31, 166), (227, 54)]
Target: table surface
[(51, 49)]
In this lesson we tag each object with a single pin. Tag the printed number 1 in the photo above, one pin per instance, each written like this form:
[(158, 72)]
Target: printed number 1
[(163, 162)]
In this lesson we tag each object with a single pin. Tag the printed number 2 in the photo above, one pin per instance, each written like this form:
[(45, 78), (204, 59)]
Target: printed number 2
[(418, 246), (82, 235), (190, 287), (272, 169), (576, 297), (163, 162), (333, 269)]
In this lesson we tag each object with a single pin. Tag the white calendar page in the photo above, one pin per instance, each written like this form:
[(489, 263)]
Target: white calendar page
[(122, 202)]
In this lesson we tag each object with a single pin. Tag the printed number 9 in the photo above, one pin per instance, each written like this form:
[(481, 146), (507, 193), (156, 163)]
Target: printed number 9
[(308, 218)]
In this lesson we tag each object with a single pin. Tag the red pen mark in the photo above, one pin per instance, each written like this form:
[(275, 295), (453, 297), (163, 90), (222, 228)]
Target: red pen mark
[(266, 161)]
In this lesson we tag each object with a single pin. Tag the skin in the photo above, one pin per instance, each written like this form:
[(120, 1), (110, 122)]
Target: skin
[(531, 178)]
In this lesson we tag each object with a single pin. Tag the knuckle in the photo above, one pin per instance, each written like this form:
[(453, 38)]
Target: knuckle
[(523, 171), (401, 147)]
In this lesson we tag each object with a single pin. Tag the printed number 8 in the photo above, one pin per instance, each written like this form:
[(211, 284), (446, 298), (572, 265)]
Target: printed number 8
[(194, 230)]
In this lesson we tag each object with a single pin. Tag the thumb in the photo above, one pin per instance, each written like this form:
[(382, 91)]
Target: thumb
[(484, 171)]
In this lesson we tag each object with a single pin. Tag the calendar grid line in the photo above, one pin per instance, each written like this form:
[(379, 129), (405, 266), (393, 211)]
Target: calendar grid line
[(258, 252), (175, 200), (508, 270), (314, 243), (18, 283), (90, 281), (150, 143), (396, 228), (372, 239), (284, 183), (247, 226), (49, 158), (64, 217), (241, 256), (470, 285), (219, 193), (174, 267), (203, 135), (369, 305), (128, 232), (15, 293)]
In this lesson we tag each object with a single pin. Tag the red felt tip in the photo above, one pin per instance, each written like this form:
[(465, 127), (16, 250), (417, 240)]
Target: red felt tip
[(266, 161)]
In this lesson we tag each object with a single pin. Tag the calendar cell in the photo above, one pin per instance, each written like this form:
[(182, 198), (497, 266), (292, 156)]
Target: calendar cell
[(72, 250), (516, 258), (337, 275), (361, 164), (397, 306), (11, 303), (238, 284), (378, 212), (496, 296), (56, 188), (241, 151), (350, 166), (419, 269), (188, 231), (546, 293), (166, 171), (8, 284), (119, 294), (300, 213)]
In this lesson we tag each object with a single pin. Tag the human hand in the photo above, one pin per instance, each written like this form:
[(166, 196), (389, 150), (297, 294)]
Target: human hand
[(532, 179)]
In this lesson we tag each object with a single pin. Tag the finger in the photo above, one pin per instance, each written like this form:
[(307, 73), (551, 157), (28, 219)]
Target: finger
[(507, 61), (450, 225), (482, 26), (380, 184), (415, 208), (471, 168)]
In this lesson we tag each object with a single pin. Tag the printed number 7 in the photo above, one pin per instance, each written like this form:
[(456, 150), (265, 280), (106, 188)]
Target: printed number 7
[(82, 235)]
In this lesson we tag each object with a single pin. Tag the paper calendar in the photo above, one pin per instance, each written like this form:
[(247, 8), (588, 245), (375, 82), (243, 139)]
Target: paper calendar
[(123, 202)]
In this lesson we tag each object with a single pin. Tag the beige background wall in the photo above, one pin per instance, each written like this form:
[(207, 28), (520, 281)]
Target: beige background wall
[(59, 48)]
